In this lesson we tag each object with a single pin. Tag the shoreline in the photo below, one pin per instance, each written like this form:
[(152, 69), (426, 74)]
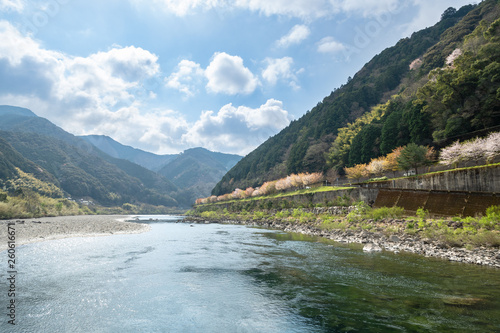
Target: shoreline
[(42, 229), (377, 241)]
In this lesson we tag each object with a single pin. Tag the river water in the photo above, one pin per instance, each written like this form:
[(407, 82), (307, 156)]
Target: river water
[(227, 278)]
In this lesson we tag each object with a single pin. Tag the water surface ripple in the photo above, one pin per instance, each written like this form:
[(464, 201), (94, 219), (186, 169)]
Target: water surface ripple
[(225, 278)]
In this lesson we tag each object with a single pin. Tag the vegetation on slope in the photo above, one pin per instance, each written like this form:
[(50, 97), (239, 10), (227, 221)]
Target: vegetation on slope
[(470, 232), (399, 101)]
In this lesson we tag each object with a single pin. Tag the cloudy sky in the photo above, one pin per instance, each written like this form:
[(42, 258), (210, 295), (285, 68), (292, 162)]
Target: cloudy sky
[(167, 75)]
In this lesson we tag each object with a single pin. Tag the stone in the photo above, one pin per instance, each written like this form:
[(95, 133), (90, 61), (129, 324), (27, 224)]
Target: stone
[(371, 248), (394, 239)]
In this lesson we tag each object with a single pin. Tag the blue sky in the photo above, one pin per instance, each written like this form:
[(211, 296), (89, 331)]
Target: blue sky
[(167, 75)]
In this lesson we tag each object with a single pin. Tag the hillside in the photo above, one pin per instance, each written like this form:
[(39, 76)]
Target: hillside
[(78, 167), (11, 160), (198, 170), (392, 101), (85, 175), (115, 149), (195, 171)]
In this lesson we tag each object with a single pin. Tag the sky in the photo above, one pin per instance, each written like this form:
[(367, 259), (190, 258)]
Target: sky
[(168, 75)]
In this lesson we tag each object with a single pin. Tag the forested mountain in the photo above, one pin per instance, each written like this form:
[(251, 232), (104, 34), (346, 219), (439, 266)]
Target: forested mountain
[(11, 160), (198, 169), (37, 146), (80, 168), (115, 149), (195, 171), (440, 84), (83, 174)]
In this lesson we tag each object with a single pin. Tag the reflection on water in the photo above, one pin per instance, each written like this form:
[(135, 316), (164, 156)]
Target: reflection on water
[(222, 278)]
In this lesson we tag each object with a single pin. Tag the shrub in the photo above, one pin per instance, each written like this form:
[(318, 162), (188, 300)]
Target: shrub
[(387, 212)]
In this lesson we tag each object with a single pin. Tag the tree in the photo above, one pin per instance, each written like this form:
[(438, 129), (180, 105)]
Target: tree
[(448, 13), (357, 171), (413, 156), (331, 176), (492, 146), (377, 166), (391, 160), (474, 150)]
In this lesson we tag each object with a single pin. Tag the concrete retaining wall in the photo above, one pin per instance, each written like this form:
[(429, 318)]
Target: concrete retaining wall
[(368, 195), (484, 179)]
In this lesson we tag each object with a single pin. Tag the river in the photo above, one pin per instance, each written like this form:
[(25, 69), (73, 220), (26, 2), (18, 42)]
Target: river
[(225, 278)]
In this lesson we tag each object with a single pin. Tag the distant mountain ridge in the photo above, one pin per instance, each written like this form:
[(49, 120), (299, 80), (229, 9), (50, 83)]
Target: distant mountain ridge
[(199, 169), (101, 168), (196, 170), (115, 149)]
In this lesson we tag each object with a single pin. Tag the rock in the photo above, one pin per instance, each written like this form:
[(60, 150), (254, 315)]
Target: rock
[(394, 239), (371, 248)]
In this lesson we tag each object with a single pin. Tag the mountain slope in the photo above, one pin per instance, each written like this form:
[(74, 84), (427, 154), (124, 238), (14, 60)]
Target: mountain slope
[(10, 159), (83, 174), (81, 169), (304, 145), (115, 149), (198, 170)]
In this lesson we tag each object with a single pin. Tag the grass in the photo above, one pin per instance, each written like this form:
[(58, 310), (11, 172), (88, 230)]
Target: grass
[(468, 232)]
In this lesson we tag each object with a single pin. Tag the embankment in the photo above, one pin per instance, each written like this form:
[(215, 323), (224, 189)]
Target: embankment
[(377, 240)]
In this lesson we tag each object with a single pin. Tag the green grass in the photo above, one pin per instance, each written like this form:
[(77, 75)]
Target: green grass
[(470, 232)]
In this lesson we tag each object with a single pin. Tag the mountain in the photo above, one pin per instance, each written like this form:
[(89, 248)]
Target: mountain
[(115, 149), (198, 169), (80, 169), (438, 85), (195, 171), (7, 110), (11, 160)]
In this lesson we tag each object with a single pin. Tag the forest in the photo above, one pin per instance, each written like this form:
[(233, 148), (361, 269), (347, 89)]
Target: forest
[(436, 87)]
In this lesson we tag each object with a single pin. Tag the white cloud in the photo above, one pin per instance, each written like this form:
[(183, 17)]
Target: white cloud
[(330, 45), (305, 9), (296, 35), (71, 90), (366, 7), (180, 7), (293, 8), (101, 94), (186, 77), (12, 5), (227, 74), (280, 69), (237, 129)]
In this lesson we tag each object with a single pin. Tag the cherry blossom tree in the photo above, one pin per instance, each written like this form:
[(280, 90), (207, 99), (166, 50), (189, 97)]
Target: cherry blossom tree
[(473, 150), (451, 155), (492, 146), (377, 166)]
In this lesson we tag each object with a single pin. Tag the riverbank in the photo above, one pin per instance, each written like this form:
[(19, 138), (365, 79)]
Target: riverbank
[(382, 238), (50, 228)]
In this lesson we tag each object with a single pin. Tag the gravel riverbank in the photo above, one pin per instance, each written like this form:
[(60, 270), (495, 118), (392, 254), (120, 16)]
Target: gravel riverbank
[(49, 228), (378, 241)]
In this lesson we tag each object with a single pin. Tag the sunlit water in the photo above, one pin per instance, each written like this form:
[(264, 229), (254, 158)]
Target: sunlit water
[(225, 278)]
